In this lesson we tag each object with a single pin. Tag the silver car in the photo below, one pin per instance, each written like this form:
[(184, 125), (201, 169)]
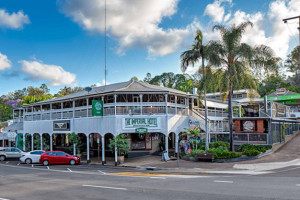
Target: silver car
[(10, 152)]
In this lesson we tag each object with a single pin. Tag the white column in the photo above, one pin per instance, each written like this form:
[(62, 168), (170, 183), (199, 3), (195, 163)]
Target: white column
[(175, 105), (41, 113), (87, 148), (73, 103), (115, 102), (116, 153), (41, 140), (32, 147), (24, 138), (13, 114), (166, 102), (141, 103), (176, 143), (61, 110), (87, 107), (103, 150), (51, 143), (50, 111), (166, 143)]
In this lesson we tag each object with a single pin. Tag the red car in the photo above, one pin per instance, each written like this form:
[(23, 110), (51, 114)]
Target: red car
[(58, 157)]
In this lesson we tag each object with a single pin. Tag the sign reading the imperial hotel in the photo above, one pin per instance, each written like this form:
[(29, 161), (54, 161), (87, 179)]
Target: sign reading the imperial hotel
[(140, 122)]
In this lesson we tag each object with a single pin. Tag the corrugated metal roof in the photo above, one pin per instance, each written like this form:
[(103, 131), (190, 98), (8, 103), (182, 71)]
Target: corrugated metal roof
[(14, 127), (129, 86)]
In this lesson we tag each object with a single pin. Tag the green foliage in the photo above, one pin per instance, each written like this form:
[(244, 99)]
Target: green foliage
[(223, 153), (36, 141), (220, 144), (194, 134), (5, 111), (251, 152), (251, 149), (75, 139), (121, 143), (195, 151)]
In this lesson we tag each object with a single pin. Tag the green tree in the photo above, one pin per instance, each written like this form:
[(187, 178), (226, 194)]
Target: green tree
[(121, 143), (236, 60), (190, 57)]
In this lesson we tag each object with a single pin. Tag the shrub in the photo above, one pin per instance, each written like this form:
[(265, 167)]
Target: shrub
[(251, 152), (194, 152), (220, 144), (222, 152), (260, 148)]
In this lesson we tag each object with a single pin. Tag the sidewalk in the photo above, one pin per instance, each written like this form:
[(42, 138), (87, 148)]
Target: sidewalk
[(288, 155)]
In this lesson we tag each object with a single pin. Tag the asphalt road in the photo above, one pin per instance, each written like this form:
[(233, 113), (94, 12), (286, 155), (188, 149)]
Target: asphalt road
[(35, 182)]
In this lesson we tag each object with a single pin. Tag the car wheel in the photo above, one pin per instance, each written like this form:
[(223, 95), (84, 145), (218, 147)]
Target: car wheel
[(28, 161), (45, 162), (72, 162), (2, 158)]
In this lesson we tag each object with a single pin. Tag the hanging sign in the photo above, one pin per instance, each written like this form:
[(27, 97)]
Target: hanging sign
[(97, 108), (141, 130)]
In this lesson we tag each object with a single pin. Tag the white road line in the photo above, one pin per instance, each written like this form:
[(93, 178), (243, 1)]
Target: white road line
[(102, 172), (69, 170), (18, 164), (48, 167), (216, 181), (3, 199), (105, 187), (156, 177), (31, 165), (6, 162), (298, 185)]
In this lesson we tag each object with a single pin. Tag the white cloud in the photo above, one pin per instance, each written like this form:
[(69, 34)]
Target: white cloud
[(268, 28), (5, 63), (13, 20), (133, 23), (56, 75), (216, 11), (101, 84)]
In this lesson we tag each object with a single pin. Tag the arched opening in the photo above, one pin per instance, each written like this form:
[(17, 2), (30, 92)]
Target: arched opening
[(60, 142), (95, 147), (27, 142), (107, 138), (46, 141), (36, 141), (171, 143)]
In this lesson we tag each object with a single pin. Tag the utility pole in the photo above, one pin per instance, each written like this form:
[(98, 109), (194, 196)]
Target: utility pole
[(285, 21), (105, 72)]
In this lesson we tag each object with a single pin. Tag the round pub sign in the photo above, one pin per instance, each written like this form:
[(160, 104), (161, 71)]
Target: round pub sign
[(141, 130)]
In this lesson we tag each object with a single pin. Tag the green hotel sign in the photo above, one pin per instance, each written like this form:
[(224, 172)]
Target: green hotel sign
[(141, 130), (140, 122), (97, 108)]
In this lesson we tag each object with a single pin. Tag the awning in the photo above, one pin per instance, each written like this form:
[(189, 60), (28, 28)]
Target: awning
[(214, 104), (18, 126)]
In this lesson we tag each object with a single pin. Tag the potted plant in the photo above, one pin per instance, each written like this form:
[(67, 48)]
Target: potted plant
[(122, 146)]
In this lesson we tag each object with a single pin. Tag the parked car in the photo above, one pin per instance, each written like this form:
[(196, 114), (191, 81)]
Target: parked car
[(32, 157), (58, 157), (10, 152)]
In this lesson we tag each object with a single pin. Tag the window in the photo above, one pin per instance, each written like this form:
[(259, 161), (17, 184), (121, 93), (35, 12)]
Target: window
[(7, 150), (51, 154), (37, 152), (15, 150), (60, 154)]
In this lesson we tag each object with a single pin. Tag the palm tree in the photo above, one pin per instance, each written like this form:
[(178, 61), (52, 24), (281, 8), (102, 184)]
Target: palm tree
[(237, 60), (190, 57)]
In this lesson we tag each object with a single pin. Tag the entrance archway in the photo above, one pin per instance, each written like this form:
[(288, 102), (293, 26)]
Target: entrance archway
[(95, 146), (36, 141), (28, 138), (46, 141)]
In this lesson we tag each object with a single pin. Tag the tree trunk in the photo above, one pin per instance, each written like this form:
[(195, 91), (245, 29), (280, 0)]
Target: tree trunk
[(205, 105), (230, 116)]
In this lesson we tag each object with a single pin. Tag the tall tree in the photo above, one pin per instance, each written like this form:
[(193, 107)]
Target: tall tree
[(236, 60), (192, 56)]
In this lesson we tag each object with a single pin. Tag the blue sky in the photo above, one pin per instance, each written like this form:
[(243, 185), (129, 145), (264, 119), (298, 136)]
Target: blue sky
[(62, 42)]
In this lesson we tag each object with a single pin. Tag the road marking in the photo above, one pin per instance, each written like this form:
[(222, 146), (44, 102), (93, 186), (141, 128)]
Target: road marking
[(18, 164), (216, 181), (102, 172), (6, 162), (48, 167), (105, 187), (69, 170), (155, 177), (3, 199), (31, 165), (298, 185)]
